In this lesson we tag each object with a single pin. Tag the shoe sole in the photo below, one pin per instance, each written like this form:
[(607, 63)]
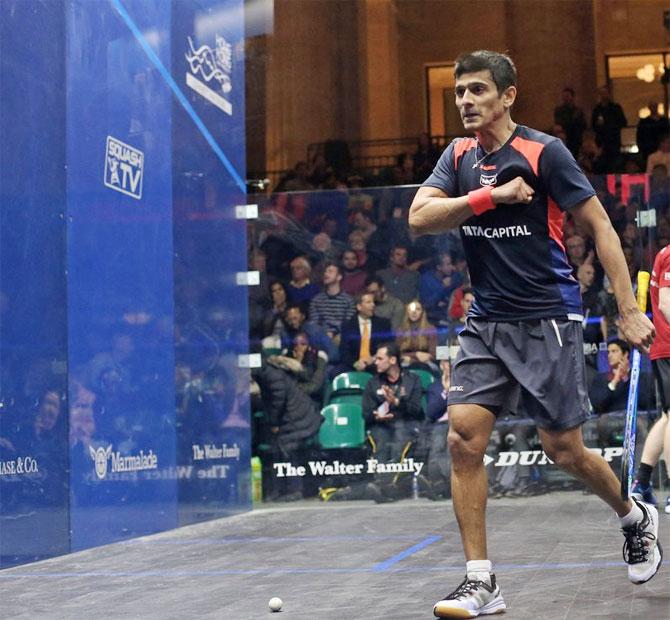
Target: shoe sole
[(658, 565), (496, 606)]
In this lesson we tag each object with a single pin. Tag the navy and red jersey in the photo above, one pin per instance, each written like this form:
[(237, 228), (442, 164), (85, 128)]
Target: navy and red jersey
[(515, 252), (660, 278)]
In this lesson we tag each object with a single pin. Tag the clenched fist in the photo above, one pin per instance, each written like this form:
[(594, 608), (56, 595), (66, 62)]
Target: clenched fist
[(512, 192)]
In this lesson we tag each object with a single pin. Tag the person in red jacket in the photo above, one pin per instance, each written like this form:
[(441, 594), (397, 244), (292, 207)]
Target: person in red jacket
[(658, 439)]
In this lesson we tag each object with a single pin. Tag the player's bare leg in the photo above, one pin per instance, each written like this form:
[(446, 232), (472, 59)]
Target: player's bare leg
[(567, 450), (639, 521), (470, 427)]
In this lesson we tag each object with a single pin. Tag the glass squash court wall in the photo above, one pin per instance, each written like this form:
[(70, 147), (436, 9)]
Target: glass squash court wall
[(122, 126)]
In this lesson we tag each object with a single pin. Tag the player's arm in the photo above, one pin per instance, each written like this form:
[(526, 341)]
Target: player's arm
[(635, 326), (433, 212)]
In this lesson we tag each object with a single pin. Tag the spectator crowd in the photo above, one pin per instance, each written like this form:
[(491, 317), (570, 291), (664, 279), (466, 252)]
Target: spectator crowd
[(344, 277)]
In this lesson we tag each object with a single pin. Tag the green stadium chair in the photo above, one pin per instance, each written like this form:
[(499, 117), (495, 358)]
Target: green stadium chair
[(353, 381), (346, 384), (425, 377), (343, 398), (343, 426)]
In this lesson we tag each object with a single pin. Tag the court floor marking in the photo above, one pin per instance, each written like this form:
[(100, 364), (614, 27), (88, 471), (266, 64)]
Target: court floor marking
[(169, 80), (18, 574), (387, 564), (242, 540)]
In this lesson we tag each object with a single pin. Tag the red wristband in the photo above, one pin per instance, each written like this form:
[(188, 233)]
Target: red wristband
[(480, 200)]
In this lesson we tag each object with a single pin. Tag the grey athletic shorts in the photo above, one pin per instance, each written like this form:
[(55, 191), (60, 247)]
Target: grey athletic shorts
[(539, 361), (661, 369)]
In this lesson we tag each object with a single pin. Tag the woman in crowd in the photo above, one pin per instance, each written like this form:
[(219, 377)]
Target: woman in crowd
[(310, 370), (417, 339), (272, 321)]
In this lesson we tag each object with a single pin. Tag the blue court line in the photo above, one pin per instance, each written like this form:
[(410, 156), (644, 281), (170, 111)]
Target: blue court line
[(383, 566), (242, 540), (14, 574), (178, 94)]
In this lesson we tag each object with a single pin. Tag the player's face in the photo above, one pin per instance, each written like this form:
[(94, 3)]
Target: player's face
[(478, 100)]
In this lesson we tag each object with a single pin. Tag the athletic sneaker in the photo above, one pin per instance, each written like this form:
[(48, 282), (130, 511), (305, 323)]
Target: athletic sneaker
[(645, 493), (667, 505), (641, 549), (471, 599)]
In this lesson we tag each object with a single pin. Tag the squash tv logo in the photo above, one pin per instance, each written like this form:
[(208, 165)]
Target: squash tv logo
[(124, 168)]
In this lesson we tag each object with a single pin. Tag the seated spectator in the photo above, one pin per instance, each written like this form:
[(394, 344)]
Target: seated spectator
[(376, 239), (417, 339), (296, 322), (353, 277), (591, 327), (609, 392), (259, 296), (393, 414), (386, 305), (661, 156), (436, 287), (307, 365), (331, 308), (359, 246), (293, 421), (398, 279), (575, 247), (586, 275), (300, 289), (272, 319), (361, 335), (590, 156), (609, 312)]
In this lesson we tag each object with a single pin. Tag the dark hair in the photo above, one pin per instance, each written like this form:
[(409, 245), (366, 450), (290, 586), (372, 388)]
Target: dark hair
[(468, 289), (374, 279), (503, 71), (295, 306), (333, 264), (622, 344), (392, 349), (276, 281)]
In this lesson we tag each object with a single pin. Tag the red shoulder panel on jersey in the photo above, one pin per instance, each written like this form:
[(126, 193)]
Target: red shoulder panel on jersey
[(530, 150), (555, 222), (461, 147)]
